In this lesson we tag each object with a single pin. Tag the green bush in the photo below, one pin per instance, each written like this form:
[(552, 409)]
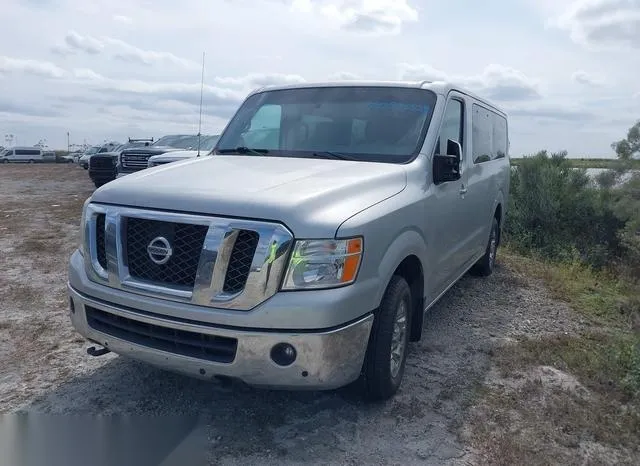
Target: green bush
[(557, 212)]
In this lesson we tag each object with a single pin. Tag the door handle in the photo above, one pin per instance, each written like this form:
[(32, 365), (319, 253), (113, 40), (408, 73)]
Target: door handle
[(463, 190)]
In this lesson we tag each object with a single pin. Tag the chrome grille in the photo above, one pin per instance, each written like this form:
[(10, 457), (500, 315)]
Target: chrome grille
[(186, 241), (135, 160), (101, 250), (213, 262), (240, 262)]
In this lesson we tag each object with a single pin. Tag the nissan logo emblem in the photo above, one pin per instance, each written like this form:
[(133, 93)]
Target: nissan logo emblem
[(159, 250)]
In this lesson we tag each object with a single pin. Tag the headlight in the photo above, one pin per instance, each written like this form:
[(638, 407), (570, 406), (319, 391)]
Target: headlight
[(323, 264)]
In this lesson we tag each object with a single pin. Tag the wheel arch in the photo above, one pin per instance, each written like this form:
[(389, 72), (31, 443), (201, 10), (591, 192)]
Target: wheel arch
[(405, 258)]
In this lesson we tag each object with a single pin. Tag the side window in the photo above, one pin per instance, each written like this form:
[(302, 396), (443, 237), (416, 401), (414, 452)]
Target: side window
[(21, 152), (490, 140), (264, 129), (482, 128), (452, 126)]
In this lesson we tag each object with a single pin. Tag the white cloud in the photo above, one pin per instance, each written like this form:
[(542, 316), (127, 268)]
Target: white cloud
[(131, 54), (498, 82), (584, 78), (43, 69), (75, 41), (122, 19), (121, 50), (602, 23), (343, 76), (363, 16), (121, 68), (254, 80)]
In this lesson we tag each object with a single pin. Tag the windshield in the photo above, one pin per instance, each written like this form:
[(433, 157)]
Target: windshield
[(92, 150), (381, 124), (178, 141), (129, 145), (207, 142)]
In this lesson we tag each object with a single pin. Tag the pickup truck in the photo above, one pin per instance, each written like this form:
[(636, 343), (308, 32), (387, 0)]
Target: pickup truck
[(305, 252), (103, 166), (206, 146), (133, 160)]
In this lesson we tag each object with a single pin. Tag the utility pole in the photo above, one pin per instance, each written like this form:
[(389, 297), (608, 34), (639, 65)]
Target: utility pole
[(68, 143)]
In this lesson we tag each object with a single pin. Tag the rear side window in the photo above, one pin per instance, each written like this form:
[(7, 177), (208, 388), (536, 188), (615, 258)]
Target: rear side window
[(27, 152), (489, 130)]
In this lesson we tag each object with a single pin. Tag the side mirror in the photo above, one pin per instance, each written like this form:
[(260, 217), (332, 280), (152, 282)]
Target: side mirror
[(447, 167)]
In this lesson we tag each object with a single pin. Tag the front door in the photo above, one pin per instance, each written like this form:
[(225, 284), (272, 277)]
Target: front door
[(444, 215)]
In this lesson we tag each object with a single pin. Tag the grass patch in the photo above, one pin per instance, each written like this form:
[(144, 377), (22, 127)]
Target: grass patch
[(597, 295), (606, 363), (566, 398)]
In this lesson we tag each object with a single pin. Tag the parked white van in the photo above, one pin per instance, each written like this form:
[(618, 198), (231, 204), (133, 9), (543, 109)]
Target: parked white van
[(22, 154)]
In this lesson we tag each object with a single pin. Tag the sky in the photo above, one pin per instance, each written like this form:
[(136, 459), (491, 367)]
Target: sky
[(565, 71)]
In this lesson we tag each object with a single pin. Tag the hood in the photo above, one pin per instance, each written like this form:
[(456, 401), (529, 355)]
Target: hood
[(149, 150), (177, 155), (312, 197)]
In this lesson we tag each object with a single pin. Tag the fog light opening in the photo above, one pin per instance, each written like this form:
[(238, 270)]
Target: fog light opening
[(283, 354)]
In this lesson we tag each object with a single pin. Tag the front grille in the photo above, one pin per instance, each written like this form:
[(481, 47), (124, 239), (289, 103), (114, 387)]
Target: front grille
[(101, 162), (101, 249), (163, 255), (191, 344), (135, 161), (186, 241), (240, 261)]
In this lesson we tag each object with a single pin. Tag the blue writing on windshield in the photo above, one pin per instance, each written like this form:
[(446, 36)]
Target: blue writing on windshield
[(391, 105)]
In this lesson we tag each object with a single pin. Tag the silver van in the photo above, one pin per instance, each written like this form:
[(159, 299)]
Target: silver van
[(305, 254), (22, 154)]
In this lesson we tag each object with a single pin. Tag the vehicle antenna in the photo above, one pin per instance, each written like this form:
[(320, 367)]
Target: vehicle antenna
[(201, 91)]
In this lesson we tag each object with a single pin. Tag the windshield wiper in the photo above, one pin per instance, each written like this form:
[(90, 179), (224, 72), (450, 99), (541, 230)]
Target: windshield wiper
[(333, 155), (243, 150)]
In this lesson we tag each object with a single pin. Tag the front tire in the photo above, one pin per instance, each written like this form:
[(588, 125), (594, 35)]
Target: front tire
[(484, 267), (388, 343)]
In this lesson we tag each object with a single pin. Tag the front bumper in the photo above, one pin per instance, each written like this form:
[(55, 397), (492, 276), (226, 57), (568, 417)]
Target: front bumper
[(102, 172), (326, 359)]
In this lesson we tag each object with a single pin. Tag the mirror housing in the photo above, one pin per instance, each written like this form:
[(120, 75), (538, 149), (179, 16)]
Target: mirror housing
[(447, 167)]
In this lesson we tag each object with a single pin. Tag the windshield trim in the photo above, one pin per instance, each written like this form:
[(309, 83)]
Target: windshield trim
[(357, 156)]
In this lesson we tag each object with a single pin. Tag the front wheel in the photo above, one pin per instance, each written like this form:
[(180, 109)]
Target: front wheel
[(388, 343), (484, 267)]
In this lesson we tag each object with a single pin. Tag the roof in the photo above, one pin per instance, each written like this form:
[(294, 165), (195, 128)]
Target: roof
[(439, 87)]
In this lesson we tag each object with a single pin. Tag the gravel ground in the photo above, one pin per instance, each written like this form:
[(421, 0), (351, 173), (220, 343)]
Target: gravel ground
[(44, 367)]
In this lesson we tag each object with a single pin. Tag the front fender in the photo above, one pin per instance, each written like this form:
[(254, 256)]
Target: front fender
[(407, 243)]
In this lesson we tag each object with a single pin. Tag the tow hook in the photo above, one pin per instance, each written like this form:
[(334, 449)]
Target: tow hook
[(92, 351)]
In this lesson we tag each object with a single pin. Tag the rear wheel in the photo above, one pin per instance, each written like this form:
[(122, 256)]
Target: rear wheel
[(388, 343), (484, 267)]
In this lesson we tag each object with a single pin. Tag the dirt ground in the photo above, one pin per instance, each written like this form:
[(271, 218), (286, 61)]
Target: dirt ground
[(434, 419)]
